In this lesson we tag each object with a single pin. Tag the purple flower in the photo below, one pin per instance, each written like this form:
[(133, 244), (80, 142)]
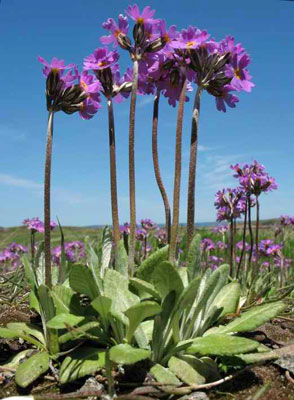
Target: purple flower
[(241, 79), (115, 29), (35, 225), (239, 246), (148, 225), (285, 220), (221, 229), (145, 17), (254, 179), (274, 250), (221, 245), (264, 245), (161, 236), (230, 203), (125, 228), (17, 248), (190, 38), (226, 98), (141, 234), (101, 58), (74, 251), (207, 245)]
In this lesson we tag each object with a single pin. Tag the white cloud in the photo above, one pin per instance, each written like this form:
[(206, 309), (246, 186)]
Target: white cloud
[(59, 193)]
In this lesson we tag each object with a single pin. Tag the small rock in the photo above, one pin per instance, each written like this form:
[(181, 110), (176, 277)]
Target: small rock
[(195, 396)]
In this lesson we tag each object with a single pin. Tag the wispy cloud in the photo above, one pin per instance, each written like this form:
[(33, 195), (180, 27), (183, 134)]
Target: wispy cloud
[(60, 194)]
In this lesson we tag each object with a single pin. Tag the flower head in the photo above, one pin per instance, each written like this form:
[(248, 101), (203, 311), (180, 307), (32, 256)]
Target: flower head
[(101, 58), (115, 29)]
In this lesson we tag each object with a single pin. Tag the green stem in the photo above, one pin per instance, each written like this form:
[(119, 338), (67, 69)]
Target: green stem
[(243, 242), (47, 184), (177, 178), (113, 180), (192, 168), (156, 166), (132, 243), (257, 234)]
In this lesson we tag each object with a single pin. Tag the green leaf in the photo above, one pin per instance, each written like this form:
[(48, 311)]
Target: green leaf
[(15, 360), (221, 345), (258, 357), (164, 375), (144, 287), (227, 299), (194, 257), (167, 279), (82, 281), (185, 371), (102, 305), (125, 354), (12, 334), (79, 332), (61, 321), (81, 362), (106, 250), (31, 369), (27, 329), (116, 288), (94, 266), (146, 268), (46, 302), (122, 258), (66, 301), (253, 318), (138, 313), (34, 302)]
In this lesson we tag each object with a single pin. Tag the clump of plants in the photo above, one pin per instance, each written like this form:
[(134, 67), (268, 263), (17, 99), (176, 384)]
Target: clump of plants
[(107, 305)]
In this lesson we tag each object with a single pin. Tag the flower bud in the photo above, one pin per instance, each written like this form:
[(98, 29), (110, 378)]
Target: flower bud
[(124, 42), (156, 45)]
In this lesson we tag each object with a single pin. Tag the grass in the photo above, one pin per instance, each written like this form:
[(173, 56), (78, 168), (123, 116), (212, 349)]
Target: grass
[(21, 235)]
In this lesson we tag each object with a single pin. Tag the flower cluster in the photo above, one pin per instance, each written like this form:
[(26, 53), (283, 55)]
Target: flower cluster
[(74, 251), (167, 56), (222, 229), (11, 255), (254, 179), (35, 225), (286, 220), (230, 203)]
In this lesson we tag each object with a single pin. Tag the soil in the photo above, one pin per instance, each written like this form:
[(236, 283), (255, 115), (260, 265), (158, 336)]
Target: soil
[(275, 382)]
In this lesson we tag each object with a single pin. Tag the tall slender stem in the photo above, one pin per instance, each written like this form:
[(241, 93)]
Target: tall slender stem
[(113, 181), (257, 235), (231, 245), (33, 248), (177, 179), (156, 166), (243, 241), (47, 184), (192, 168), (250, 231), (132, 243)]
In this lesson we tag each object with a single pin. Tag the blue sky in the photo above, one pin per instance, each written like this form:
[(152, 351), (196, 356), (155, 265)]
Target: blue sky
[(261, 127)]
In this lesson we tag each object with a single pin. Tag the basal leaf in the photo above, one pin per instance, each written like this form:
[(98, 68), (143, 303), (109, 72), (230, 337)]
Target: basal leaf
[(81, 362), (194, 257), (253, 318), (220, 345), (146, 268), (32, 368), (185, 371), (125, 354), (166, 279), (61, 321), (82, 281)]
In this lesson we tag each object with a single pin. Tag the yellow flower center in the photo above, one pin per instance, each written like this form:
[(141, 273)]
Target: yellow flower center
[(238, 73), (102, 63), (84, 85), (117, 32), (55, 70), (190, 44), (140, 20), (166, 38)]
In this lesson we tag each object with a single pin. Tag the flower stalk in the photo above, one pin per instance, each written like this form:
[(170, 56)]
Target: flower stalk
[(132, 243), (47, 188), (192, 168), (113, 179), (156, 166), (178, 170)]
